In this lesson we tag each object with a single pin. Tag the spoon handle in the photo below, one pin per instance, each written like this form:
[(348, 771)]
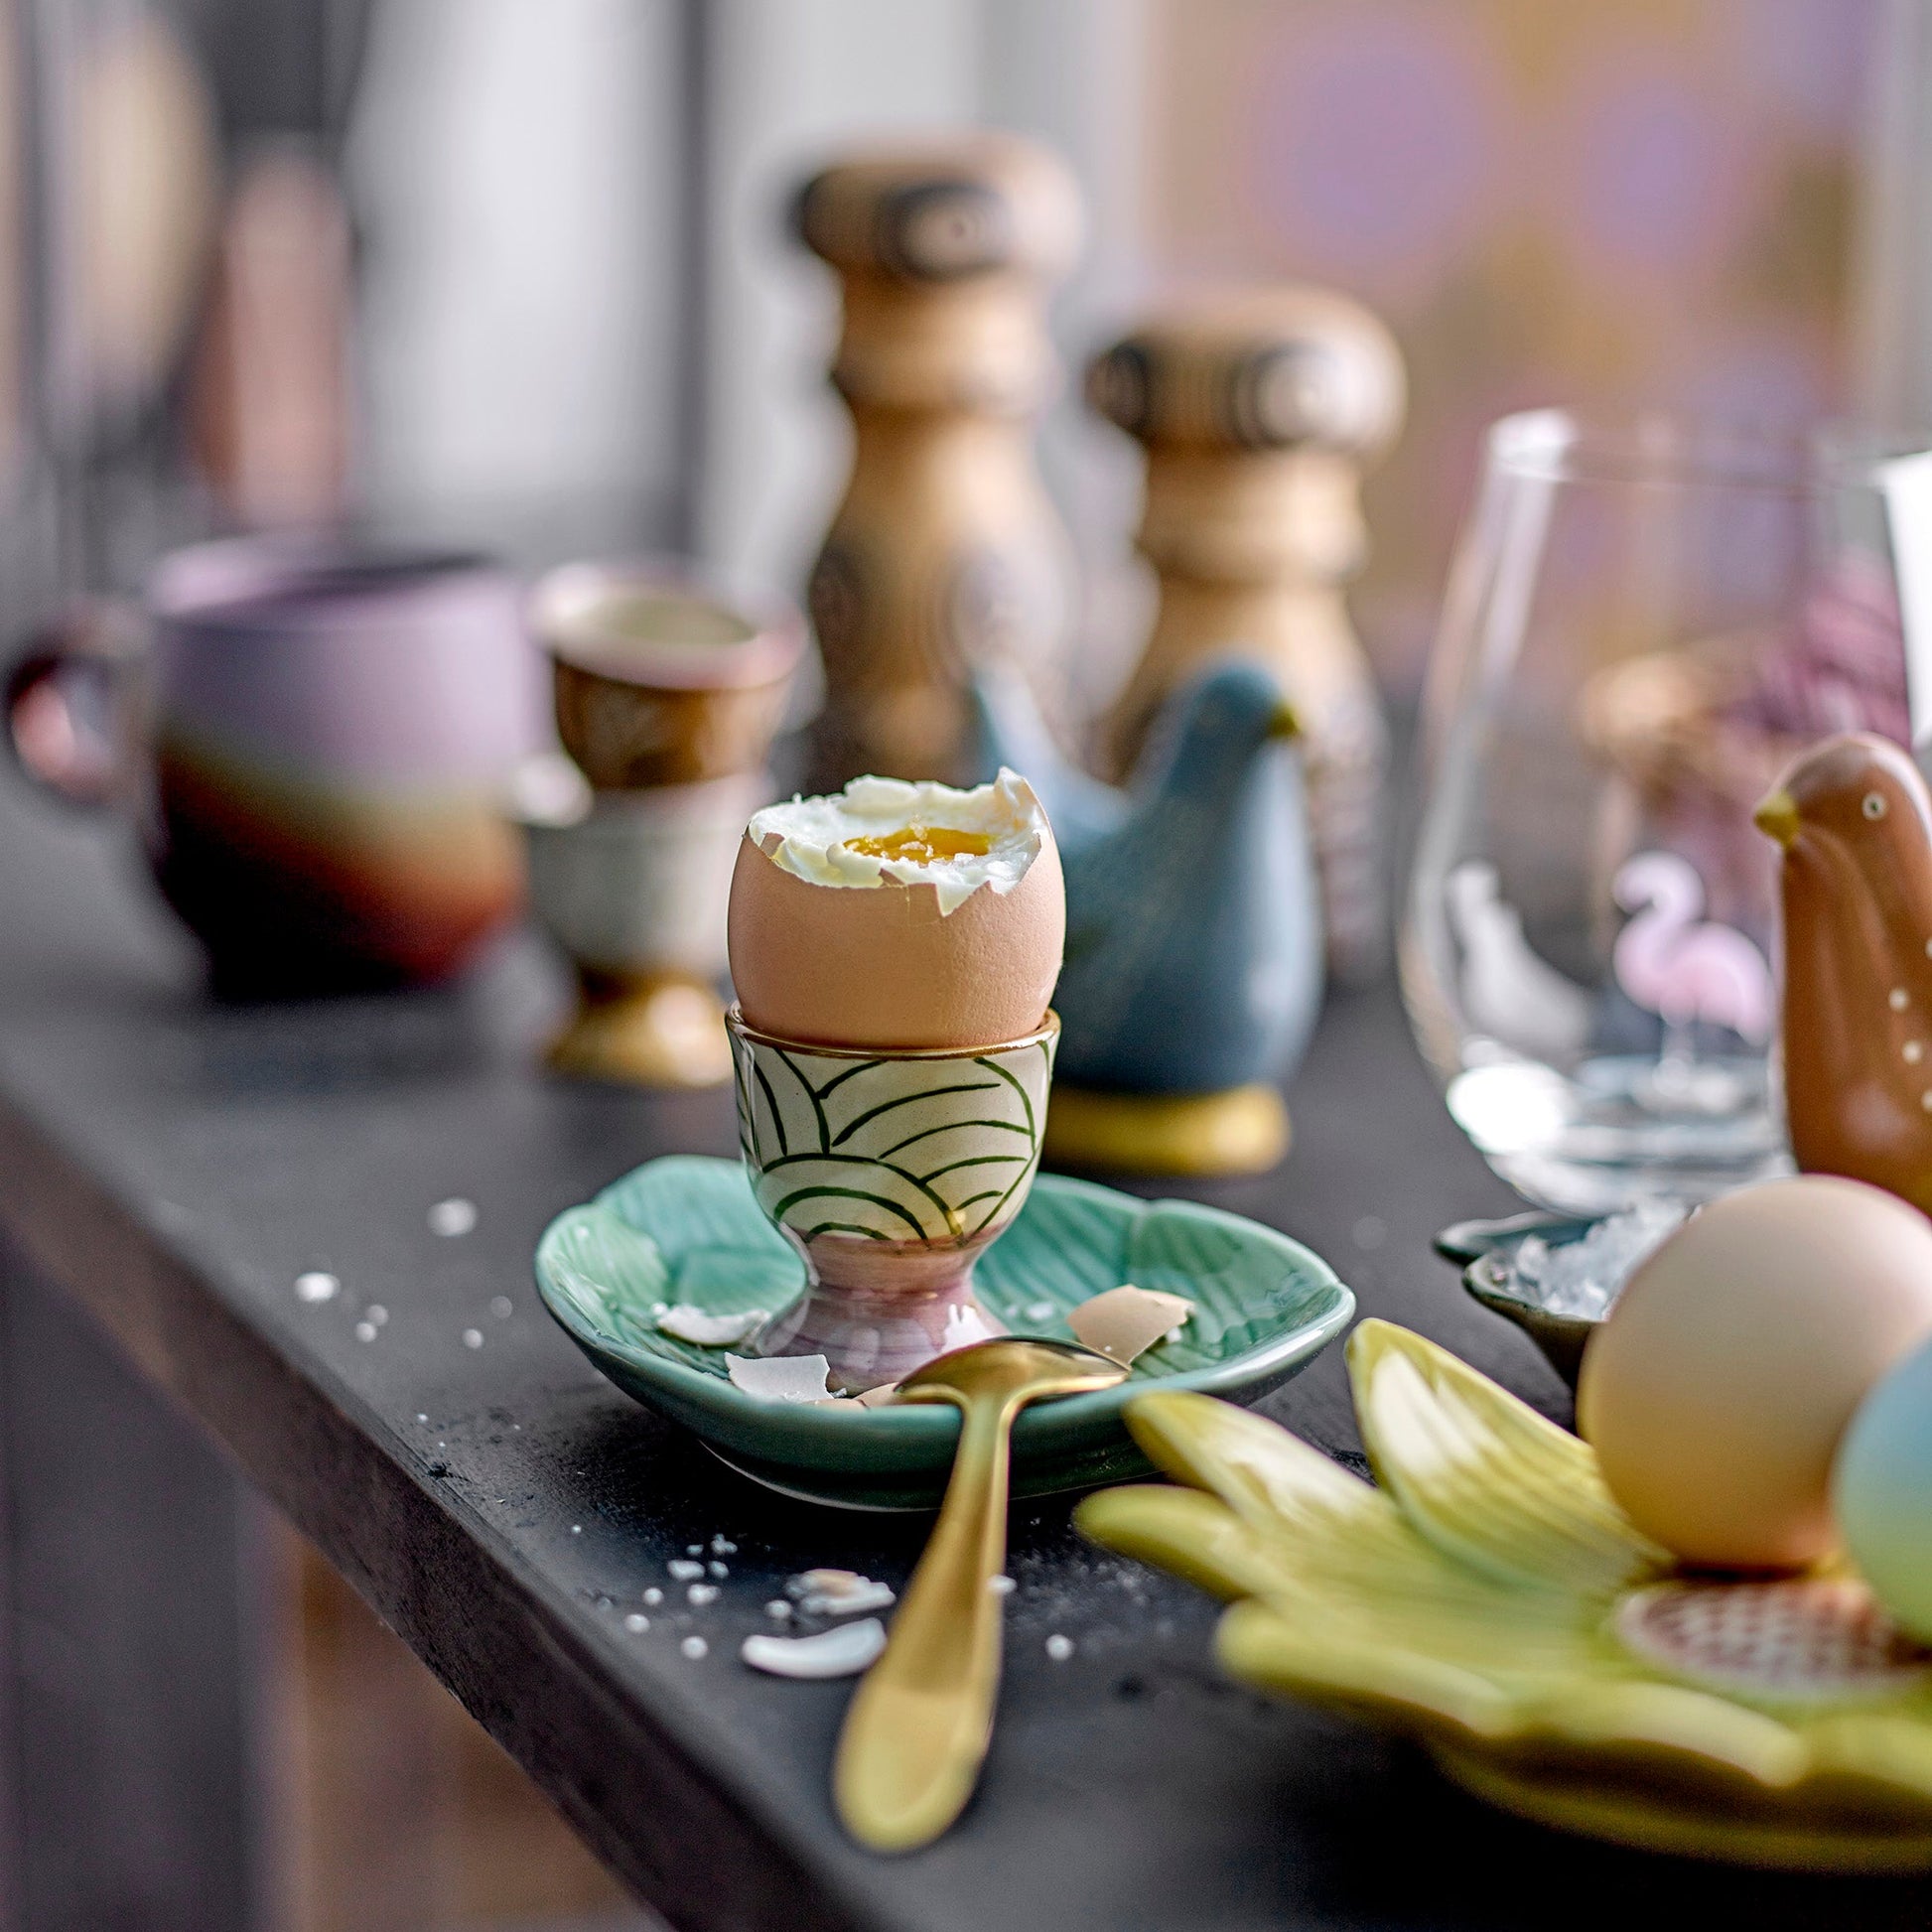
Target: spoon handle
[(916, 1730)]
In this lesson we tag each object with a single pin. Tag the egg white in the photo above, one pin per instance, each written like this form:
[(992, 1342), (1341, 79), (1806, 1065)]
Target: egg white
[(808, 837)]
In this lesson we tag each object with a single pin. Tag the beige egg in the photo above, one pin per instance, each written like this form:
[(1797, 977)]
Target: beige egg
[(1716, 1390), (849, 929)]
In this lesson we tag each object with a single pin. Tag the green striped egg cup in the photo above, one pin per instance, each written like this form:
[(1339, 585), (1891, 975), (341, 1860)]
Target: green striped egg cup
[(891, 1174)]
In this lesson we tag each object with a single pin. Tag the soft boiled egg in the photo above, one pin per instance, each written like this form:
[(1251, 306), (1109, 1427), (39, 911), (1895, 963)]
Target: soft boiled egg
[(894, 915), (1716, 1390)]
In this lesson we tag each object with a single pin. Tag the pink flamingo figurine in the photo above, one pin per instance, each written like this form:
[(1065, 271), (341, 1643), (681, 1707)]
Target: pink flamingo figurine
[(1679, 966)]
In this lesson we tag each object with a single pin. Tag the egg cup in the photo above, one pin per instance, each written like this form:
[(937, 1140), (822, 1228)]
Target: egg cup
[(658, 679), (631, 886), (890, 1172)]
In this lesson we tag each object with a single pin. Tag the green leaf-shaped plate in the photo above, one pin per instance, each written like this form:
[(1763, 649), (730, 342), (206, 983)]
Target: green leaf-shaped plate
[(686, 1230)]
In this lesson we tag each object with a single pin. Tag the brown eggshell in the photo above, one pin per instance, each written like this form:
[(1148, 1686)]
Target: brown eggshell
[(879, 966), (1716, 1390)]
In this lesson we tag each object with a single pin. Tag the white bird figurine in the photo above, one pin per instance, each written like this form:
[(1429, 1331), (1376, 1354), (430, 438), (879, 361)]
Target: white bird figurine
[(1509, 991)]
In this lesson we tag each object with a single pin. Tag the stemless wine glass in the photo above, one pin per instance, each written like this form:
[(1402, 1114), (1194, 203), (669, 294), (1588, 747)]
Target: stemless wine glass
[(1643, 624)]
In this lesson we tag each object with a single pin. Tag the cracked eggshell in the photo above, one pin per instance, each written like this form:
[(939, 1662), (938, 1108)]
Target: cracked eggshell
[(1716, 1390), (881, 966), (1125, 1321), (780, 1378), (843, 1652)]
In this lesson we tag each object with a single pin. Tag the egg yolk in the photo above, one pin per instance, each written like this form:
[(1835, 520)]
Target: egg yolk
[(922, 844)]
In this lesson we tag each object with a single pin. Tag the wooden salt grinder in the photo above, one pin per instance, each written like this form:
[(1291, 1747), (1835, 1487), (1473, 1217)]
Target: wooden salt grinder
[(1259, 412), (946, 551)]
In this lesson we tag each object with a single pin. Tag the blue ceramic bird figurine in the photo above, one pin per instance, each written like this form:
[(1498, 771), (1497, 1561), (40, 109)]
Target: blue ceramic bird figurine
[(1193, 935)]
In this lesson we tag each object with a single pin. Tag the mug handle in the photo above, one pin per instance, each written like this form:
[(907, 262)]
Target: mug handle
[(67, 705)]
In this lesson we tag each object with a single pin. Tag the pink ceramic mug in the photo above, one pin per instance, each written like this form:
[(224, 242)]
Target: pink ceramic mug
[(315, 740)]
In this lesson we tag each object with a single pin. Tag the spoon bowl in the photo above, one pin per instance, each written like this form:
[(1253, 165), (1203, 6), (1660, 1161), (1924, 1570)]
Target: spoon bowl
[(919, 1725), (1017, 1369)]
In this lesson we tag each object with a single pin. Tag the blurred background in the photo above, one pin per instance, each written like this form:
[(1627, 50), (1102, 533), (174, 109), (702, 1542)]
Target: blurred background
[(520, 276)]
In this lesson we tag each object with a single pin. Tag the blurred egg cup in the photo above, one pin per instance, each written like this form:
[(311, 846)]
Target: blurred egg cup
[(632, 886), (668, 695)]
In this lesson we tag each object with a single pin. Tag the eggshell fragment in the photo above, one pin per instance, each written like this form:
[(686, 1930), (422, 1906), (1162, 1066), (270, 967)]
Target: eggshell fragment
[(843, 1652), (685, 1321), (1716, 1390), (883, 963), (837, 1593), (780, 1378), (1881, 1489), (1125, 1321)]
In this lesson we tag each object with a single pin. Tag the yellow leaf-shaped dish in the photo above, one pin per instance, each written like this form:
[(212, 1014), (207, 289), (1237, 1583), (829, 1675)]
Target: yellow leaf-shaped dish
[(1492, 1600)]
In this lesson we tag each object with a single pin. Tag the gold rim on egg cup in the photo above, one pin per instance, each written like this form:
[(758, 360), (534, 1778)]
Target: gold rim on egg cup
[(890, 1172), (660, 1030)]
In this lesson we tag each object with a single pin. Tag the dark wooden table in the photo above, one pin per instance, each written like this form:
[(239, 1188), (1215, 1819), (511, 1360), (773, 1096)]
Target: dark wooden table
[(170, 1168)]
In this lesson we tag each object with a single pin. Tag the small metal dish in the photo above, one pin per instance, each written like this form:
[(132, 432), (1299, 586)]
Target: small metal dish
[(1486, 1253)]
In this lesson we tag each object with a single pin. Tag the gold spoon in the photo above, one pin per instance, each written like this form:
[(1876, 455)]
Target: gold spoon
[(917, 1728)]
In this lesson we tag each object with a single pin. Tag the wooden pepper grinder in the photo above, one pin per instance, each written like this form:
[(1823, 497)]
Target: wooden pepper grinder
[(1259, 412), (946, 552)]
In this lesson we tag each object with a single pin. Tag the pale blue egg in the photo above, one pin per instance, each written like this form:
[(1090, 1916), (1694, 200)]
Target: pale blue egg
[(1881, 1489)]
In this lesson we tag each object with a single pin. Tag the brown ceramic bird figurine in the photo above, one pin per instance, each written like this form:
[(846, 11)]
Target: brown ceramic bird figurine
[(1855, 820)]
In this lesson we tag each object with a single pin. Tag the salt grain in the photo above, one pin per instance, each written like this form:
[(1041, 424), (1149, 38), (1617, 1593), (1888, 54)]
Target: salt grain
[(778, 1607), (685, 1571), (473, 1337), (722, 1546), (699, 1594), (376, 1312), (654, 1597), (636, 1621), (1059, 1648), (694, 1646), (501, 1306), (1000, 1585), (365, 1331), (316, 1286), (717, 1569), (453, 1218)]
